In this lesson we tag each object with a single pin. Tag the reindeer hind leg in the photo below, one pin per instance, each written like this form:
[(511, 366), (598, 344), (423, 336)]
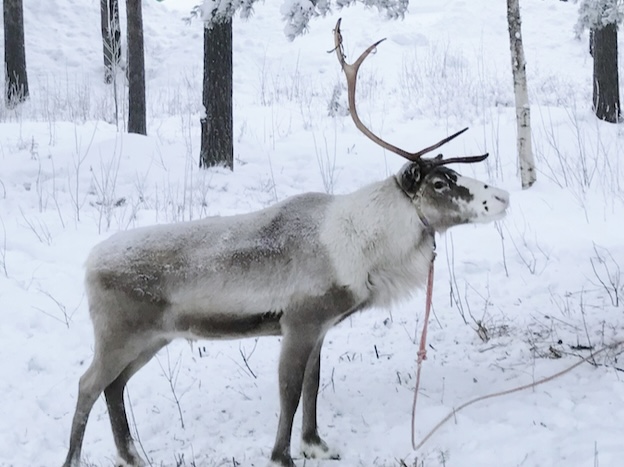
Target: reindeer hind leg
[(108, 363), (127, 455)]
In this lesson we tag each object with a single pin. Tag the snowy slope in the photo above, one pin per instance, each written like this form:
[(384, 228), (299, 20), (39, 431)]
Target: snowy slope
[(543, 283)]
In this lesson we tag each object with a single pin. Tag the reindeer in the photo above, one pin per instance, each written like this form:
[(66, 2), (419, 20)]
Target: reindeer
[(294, 270)]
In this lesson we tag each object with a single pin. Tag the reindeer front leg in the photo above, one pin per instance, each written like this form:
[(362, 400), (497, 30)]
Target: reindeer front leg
[(312, 446), (297, 347)]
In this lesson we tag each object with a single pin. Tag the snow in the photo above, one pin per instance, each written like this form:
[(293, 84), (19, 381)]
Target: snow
[(595, 14), (544, 282)]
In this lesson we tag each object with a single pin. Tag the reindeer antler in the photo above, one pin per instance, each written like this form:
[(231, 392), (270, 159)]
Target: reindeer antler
[(351, 71)]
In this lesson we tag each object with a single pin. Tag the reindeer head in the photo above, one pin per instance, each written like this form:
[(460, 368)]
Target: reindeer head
[(442, 197), (445, 198)]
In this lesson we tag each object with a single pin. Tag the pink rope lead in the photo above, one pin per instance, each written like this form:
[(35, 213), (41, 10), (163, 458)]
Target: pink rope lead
[(422, 350)]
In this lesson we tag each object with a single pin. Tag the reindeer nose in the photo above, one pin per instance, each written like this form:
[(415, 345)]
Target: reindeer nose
[(503, 197)]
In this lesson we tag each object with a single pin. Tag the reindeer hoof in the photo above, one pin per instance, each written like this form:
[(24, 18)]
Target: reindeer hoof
[(136, 461), (281, 461), (318, 450)]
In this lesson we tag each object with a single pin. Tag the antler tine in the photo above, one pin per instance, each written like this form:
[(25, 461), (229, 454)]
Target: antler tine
[(465, 159), (351, 71), (435, 146)]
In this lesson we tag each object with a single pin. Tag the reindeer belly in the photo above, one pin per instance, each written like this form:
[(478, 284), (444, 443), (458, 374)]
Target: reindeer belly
[(228, 325)]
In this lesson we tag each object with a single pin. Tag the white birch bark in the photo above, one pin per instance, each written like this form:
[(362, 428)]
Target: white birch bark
[(523, 110)]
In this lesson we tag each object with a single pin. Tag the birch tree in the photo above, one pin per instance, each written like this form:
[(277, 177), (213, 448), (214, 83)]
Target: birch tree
[(111, 37), (523, 110)]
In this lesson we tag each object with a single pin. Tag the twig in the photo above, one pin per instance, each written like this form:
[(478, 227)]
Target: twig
[(511, 391), (3, 249), (499, 229), (171, 374), (331, 381), (246, 358), (137, 438), (589, 342), (613, 278)]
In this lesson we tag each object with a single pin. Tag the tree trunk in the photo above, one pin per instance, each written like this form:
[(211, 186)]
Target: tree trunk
[(16, 80), (606, 86), (136, 69), (217, 147), (523, 110), (111, 37)]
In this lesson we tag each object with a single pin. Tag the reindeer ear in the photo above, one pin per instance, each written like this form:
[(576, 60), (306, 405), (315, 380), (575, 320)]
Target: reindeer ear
[(409, 178)]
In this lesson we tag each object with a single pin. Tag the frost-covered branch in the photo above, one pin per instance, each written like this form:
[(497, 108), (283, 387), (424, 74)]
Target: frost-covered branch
[(595, 14), (216, 11), (296, 13)]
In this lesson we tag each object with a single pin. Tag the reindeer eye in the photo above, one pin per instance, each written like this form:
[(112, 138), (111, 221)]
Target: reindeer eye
[(438, 185)]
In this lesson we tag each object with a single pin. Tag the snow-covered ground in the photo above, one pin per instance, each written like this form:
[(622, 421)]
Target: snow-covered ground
[(544, 283)]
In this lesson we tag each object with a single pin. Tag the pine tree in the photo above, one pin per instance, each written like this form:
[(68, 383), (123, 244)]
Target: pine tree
[(136, 69), (16, 87), (217, 145), (602, 17)]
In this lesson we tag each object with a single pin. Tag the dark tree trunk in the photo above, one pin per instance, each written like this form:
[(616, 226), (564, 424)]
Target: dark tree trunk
[(111, 37), (217, 147), (606, 86), (136, 69), (16, 80)]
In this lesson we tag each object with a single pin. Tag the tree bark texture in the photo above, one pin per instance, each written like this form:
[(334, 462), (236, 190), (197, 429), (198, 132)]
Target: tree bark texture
[(606, 96), (523, 110), (111, 37), (217, 147), (16, 79), (136, 69)]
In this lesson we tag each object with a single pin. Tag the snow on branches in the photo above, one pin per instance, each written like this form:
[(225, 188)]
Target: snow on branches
[(217, 11), (595, 14), (296, 13)]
